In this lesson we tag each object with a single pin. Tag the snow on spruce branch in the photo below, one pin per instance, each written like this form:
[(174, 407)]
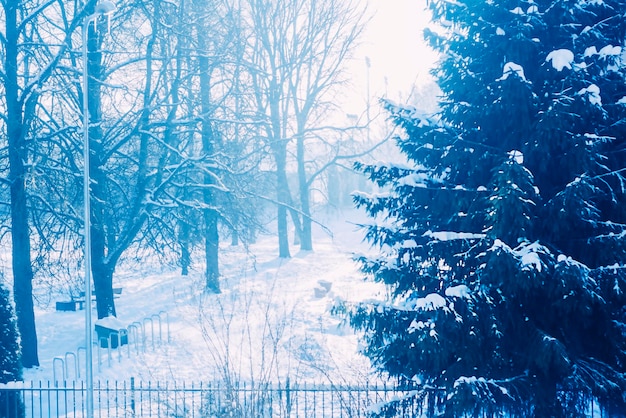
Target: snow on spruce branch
[(451, 235), (527, 253), (560, 59), (514, 69)]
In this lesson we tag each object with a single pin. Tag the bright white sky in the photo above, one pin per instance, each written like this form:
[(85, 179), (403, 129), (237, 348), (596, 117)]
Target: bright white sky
[(398, 55)]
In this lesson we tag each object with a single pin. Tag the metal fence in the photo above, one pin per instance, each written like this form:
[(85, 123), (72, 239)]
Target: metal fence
[(140, 399)]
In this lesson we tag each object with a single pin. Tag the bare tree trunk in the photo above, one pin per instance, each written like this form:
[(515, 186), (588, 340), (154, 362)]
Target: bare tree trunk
[(295, 218), (282, 190), (211, 241), (210, 214), (234, 233), (171, 136), (20, 234), (306, 241), (185, 252), (333, 187), (102, 267), (102, 270), (300, 47), (103, 288)]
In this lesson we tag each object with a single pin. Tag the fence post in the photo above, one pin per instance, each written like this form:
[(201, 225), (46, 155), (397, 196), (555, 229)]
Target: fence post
[(132, 395), (288, 398)]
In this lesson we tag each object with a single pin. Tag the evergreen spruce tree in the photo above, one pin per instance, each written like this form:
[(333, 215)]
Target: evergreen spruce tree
[(10, 364), (503, 243)]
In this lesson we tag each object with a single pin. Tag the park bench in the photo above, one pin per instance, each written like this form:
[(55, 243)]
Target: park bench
[(78, 303)]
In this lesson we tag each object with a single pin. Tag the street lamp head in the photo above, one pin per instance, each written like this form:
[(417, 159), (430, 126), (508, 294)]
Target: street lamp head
[(105, 7)]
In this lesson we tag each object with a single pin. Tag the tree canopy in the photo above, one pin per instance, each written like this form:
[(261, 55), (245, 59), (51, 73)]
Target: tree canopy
[(501, 242)]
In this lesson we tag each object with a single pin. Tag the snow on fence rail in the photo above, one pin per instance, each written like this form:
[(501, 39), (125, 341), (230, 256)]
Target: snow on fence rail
[(146, 399)]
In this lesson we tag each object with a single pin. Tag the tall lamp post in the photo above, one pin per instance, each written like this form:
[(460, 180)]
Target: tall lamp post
[(368, 65), (104, 8)]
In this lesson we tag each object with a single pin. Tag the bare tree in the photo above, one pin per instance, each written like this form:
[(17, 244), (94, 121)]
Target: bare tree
[(204, 171), (298, 49), (335, 27), (217, 45), (32, 47), (210, 142), (175, 99), (17, 121), (128, 101)]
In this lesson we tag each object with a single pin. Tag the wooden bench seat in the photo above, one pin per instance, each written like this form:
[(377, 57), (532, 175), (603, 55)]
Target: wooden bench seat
[(78, 303)]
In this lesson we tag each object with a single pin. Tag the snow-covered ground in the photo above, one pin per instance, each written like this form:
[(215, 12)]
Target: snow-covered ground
[(271, 321)]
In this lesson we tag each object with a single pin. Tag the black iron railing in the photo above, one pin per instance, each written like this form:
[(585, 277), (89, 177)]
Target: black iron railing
[(147, 399)]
